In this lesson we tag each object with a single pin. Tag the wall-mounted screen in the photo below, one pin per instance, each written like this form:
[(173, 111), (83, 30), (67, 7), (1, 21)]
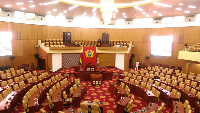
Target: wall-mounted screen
[(161, 45), (5, 43)]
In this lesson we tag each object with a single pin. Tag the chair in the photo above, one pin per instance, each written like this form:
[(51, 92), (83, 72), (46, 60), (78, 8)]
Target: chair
[(57, 85), (174, 82), (193, 84), (10, 81), (180, 79), (187, 88), (174, 78), (198, 95), (3, 76), (137, 82), (77, 81), (15, 87), (129, 75), (21, 71), (151, 81), (187, 109), (163, 86), (9, 89), (184, 75), (178, 95), (54, 88), (39, 85), (168, 88), (162, 75), (190, 77), (5, 93), (3, 83), (122, 84), (50, 92), (168, 76), (153, 90), (181, 85), (148, 87), (25, 106), (30, 80), (162, 78), (126, 78), (168, 80), (42, 111), (186, 103), (152, 76), (193, 91), (157, 94), (187, 81), (174, 91), (1, 97), (21, 84), (132, 80), (8, 75), (129, 106), (139, 77), (67, 100), (74, 86), (16, 79), (71, 91), (34, 78), (144, 79), (143, 84), (51, 105), (21, 77), (84, 107), (159, 110), (157, 83), (95, 108)]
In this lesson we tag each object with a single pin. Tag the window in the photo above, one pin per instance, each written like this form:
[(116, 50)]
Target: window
[(161, 45), (5, 43)]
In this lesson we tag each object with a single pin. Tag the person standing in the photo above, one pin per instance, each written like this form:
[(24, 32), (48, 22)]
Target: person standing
[(137, 65)]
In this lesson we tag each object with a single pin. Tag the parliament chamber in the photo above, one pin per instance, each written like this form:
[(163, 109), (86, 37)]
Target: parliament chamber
[(99, 56)]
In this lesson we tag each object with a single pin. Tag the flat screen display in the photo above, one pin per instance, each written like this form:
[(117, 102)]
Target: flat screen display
[(161, 45), (5, 43)]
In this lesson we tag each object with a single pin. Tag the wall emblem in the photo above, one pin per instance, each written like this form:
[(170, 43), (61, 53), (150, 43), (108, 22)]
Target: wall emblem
[(89, 53)]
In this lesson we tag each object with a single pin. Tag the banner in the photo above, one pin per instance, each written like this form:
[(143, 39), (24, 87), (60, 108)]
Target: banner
[(89, 56)]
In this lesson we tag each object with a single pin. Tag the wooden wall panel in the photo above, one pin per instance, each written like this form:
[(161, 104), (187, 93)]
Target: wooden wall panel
[(106, 59)]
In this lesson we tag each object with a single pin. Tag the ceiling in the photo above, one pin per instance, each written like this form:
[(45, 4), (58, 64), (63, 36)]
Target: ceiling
[(149, 10)]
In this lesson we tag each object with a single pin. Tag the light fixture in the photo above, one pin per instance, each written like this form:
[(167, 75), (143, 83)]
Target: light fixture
[(65, 11), (20, 3), (180, 4), (138, 8), (107, 7), (54, 10), (159, 14), (94, 9), (187, 11), (160, 4), (144, 13), (31, 6), (191, 6), (30, 1), (154, 11), (23, 8), (49, 12), (8, 5), (178, 8)]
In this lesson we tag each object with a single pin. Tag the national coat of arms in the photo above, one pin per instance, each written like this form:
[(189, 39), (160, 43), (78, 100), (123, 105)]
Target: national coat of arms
[(89, 53)]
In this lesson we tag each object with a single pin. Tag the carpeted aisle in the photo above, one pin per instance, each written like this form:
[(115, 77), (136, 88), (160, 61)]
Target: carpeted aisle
[(101, 94)]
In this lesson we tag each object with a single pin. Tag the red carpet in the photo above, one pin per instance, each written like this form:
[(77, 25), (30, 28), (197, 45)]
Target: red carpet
[(101, 94)]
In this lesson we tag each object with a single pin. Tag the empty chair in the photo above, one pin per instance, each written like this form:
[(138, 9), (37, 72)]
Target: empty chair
[(193, 83), (168, 76), (181, 85), (5, 93), (39, 85), (162, 78), (132, 80), (137, 82), (57, 85), (16, 79), (152, 76), (174, 82), (144, 79), (163, 86), (51, 105), (54, 88), (3, 83), (174, 91), (95, 108), (74, 86), (180, 79), (186, 103), (25, 106), (77, 81), (184, 75), (1, 97), (187, 109), (21, 71), (84, 107), (193, 91), (187, 81), (168, 80), (157, 94), (18, 71), (157, 83), (34, 78), (151, 81), (126, 78), (15, 87), (162, 75), (148, 87), (21, 84), (187, 88), (129, 75), (168, 88), (71, 91), (122, 84), (190, 77), (10, 81), (143, 84), (21, 77), (8, 75), (174, 78), (139, 77), (178, 95), (3, 76), (129, 106)]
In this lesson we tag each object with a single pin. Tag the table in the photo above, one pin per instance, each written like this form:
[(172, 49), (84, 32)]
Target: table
[(121, 104), (117, 90), (177, 106), (150, 108), (197, 107), (78, 94), (96, 79), (38, 96), (57, 96), (12, 100)]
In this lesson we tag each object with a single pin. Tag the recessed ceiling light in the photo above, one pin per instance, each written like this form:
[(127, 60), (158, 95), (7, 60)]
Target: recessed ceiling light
[(23, 8), (31, 6), (125, 16), (85, 13), (178, 8), (48, 3), (94, 9), (30, 1), (95, 14), (123, 13), (8, 5), (180, 4), (65, 11), (150, 9), (159, 14), (191, 6), (20, 3), (138, 8), (187, 11), (49, 12), (154, 11), (72, 7), (160, 4), (114, 16), (54, 10), (147, 15), (144, 13)]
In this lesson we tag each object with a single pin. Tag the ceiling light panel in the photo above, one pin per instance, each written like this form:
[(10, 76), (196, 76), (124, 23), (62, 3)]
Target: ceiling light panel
[(8, 5), (160, 4), (94, 9), (187, 11), (48, 3), (191, 6), (32, 6), (138, 8), (73, 7), (178, 8), (20, 3)]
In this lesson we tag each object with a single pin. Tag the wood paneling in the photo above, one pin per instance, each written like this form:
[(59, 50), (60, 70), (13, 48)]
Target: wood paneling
[(106, 59), (25, 48)]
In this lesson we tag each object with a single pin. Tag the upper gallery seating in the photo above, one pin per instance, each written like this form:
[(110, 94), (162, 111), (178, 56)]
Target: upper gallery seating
[(193, 48), (53, 42)]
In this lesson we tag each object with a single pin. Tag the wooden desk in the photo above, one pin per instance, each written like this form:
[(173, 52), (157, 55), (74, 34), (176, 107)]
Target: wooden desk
[(96, 79), (197, 107), (78, 94), (121, 104), (89, 103), (144, 93), (42, 79), (150, 108), (12, 100), (177, 106), (117, 90), (57, 96), (165, 95), (38, 96)]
